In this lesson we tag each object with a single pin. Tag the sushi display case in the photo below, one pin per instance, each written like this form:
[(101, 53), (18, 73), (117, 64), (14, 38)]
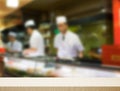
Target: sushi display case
[(50, 67)]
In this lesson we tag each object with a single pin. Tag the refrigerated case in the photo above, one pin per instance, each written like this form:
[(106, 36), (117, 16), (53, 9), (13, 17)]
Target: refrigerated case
[(49, 67)]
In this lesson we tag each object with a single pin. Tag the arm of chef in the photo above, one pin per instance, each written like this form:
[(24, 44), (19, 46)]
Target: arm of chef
[(79, 47)]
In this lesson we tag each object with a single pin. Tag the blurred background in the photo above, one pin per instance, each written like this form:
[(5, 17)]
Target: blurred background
[(91, 20)]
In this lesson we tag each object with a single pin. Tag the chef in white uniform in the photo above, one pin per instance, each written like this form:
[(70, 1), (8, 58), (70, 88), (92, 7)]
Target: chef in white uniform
[(13, 46), (67, 43), (36, 41)]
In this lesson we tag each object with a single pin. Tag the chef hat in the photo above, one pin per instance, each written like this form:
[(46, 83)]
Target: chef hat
[(12, 34), (29, 23), (61, 19)]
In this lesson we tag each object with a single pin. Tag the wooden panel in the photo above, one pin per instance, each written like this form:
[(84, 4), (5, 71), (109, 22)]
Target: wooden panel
[(59, 89)]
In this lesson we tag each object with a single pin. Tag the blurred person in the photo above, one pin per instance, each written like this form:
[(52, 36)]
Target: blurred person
[(13, 46), (36, 41), (45, 31), (68, 44)]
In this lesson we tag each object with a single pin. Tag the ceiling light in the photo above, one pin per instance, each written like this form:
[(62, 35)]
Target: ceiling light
[(103, 10), (12, 3)]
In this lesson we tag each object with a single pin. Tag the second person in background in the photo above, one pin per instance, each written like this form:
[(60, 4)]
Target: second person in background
[(36, 41), (14, 46)]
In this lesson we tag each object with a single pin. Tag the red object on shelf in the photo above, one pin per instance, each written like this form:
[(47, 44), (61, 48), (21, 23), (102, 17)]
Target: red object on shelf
[(2, 50), (111, 55)]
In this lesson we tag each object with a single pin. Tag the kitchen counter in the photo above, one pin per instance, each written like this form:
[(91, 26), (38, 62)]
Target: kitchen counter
[(49, 67)]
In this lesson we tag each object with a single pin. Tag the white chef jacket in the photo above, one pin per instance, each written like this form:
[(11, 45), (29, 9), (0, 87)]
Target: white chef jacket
[(69, 47), (36, 41), (15, 46)]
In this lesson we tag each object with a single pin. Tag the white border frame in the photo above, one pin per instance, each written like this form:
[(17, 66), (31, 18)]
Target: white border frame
[(59, 82)]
